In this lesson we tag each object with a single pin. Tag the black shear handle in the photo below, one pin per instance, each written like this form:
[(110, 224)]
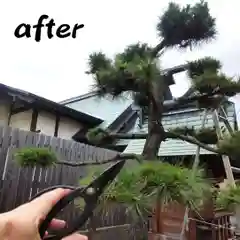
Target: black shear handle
[(62, 203)]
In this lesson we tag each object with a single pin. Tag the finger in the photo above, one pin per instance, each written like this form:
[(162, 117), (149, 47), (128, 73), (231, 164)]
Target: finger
[(76, 237), (57, 224), (43, 204)]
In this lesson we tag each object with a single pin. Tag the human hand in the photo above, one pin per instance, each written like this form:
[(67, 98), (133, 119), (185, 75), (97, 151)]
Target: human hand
[(23, 223)]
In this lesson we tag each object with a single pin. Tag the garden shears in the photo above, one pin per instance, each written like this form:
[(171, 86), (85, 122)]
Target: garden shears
[(90, 195)]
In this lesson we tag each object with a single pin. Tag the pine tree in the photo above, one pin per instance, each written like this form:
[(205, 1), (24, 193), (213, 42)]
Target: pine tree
[(136, 72)]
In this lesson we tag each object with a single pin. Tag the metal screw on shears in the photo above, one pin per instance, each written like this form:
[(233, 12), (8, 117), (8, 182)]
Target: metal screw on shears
[(90, 191)]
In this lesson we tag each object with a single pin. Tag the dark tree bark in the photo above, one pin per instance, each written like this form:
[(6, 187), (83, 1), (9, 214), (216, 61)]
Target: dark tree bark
[(158, 48), (91, 228), (155, 128)]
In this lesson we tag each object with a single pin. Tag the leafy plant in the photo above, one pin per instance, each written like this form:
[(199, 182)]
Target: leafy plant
[(124, 190), (230, 145), (171, 183), (140, 188), (97, 135), (204, 135), (97, 61), (124, 75), (207, 135), (228, 198), (209, 102), (30, 157), (198, 67), (210, 81), (186, 26)]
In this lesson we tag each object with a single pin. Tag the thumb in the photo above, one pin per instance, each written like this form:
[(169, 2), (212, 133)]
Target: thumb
[(43, 204)]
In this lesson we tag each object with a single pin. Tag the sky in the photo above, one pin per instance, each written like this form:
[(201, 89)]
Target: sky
[(55, 68)]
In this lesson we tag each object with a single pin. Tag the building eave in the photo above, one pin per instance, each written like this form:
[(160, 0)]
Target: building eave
[(45, 104), (78, 98)]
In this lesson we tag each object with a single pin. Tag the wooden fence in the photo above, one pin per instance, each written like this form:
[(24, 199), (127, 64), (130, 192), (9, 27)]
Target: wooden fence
[(18, 184)]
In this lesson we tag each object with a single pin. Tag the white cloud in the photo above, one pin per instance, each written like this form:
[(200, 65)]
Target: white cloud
[(55, 68)]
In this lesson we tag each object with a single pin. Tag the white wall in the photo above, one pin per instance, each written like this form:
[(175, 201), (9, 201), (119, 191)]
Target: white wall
[(21, 120), (68, 127), (46, 123), (4, 111)]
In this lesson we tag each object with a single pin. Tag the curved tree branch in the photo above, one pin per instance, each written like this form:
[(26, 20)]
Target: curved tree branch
[(128, 135), (176, 69), (172, 104), (192, 140), (113, 159), (158, 48)]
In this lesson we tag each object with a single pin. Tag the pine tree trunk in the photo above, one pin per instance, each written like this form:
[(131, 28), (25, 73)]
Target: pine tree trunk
[(91, 228), (154, 138), (155, 128)]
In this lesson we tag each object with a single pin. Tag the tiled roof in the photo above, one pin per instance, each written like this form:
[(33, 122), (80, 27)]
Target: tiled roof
[(172, 147)]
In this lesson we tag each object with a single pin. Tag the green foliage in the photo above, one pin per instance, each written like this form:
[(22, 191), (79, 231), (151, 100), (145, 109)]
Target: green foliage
[(210, 101), (124, 75), (210, 81), (206, 78), (207, 135), (204, 135), (93, 172), (97, 135), (169, 183), (132, 51), (98, 61), (198, 67), (140, 187), (186, 26), (30, 157), (133, 70), (126, 190), (230, 145), (228, 198)]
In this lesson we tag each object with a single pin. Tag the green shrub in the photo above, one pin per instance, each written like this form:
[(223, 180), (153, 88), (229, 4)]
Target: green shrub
[(96, 135), (230, 145), (204, 135), (139, 188), (30, 157), (228, 198)]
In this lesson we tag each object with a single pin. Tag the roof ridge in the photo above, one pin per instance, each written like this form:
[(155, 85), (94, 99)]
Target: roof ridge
[(25, 95), (78, 98)]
